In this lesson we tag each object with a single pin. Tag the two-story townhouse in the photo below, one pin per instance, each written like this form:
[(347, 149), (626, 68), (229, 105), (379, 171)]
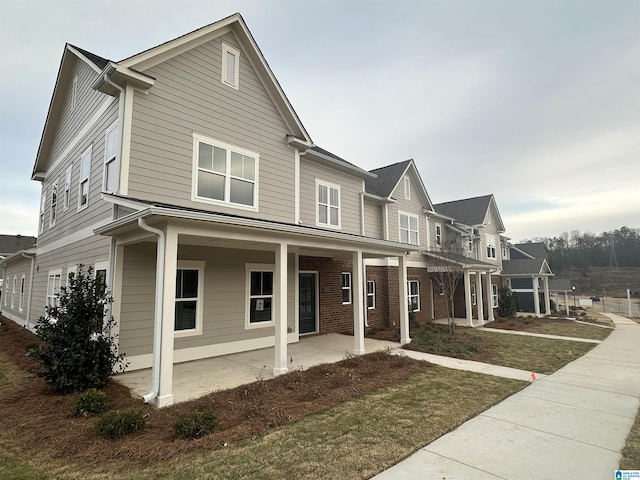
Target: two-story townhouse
[(16, 254), (184, 176)]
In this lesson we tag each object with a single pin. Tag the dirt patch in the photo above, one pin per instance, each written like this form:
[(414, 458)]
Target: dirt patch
[(35, 415)]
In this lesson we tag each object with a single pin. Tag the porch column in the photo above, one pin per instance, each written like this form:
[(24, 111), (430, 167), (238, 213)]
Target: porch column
[(490, 316), (165, 386), (358, 310), (479, 298), (547, 302), (404, 302), (280, 310), (467, 297), (536, 297), (566, 302)]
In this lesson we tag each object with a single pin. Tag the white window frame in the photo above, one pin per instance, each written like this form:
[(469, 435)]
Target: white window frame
[(66, 193), (491, 248), (408, 230), (407, 188), (43, 203), (504, 252), (229, 50), (348, 288), (438, 231), (114, 158), (53, 206), (410, 296), (494, 295), (13, 291), (474, 296), (371, 294), (81, 180), (258, 267), (329, 186), (199, 266), (197, 139), (51, 297), (21, 297)]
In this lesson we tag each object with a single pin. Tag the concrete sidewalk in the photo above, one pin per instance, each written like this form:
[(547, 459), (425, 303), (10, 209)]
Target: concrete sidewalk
[(572, 424)]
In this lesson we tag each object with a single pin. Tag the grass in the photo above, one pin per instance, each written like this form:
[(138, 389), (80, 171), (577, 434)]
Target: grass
[(355, 440), (631, 451), (563, 328)]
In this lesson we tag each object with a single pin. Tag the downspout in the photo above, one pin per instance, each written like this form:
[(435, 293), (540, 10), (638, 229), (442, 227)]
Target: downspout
[(33, 264), (157, 321)]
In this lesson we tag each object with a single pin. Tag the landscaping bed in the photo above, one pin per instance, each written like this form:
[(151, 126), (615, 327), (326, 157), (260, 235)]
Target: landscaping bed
[(551, 326)]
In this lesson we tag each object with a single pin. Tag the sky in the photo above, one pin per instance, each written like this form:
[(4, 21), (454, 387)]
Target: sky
[(536, 102)]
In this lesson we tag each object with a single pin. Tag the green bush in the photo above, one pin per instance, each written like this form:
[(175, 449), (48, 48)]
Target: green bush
[(195, 425), (91, 402), (78, 351), (507, 303), (438, 339), (119, 423)]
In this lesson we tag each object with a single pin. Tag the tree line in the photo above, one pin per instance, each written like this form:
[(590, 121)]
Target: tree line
[(620, 247)]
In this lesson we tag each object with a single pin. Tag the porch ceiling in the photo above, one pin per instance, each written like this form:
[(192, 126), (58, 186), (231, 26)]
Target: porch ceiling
[(200, 377)]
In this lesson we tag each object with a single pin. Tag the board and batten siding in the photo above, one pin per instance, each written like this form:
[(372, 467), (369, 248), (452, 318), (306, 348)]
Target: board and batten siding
[(224, 296), (188, 97), (373, 225), (350, 188)]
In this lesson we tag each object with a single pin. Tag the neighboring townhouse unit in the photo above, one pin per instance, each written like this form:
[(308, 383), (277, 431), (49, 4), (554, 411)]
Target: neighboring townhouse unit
[(15, 261)]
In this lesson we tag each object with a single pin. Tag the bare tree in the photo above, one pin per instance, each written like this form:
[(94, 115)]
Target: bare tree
[(447, 268)]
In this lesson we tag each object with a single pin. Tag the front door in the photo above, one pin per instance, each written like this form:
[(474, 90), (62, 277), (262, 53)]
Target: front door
[(307, 303)]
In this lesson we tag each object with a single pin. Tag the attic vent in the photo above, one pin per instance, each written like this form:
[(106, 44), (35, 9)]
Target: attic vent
[(230, 66)]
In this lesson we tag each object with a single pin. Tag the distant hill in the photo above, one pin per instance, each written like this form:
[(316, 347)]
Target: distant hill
[(598, 280)]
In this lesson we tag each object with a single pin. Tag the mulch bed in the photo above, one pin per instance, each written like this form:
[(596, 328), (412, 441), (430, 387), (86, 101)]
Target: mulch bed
[(34, 415)]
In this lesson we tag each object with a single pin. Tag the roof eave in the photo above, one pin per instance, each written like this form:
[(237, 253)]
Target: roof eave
[(345, 167)]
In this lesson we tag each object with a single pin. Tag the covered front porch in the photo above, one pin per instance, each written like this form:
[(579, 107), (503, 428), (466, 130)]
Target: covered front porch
[(201, 377)]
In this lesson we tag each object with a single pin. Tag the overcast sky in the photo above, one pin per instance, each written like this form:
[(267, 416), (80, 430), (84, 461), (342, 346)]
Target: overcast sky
[(535, 102)]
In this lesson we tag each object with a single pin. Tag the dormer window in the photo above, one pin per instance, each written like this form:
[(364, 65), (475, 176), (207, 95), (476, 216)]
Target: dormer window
[(230, 66)]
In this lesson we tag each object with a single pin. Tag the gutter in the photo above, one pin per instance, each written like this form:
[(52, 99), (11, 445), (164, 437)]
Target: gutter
[(33, 266), (157, 320)]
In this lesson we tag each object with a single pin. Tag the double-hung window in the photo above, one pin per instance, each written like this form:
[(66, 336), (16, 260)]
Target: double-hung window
[(371, 294), (53, 287), (328, 213), (346, 288), (438, 234), (494, 295), (66, 193), (21, 299), (230, 66), (189, 298), (413, 295), (225, 174), (43, 200), (260, 285), (83, 184), (491, 247), (54, 204), (111, 165), (13, 291), (408, 228)]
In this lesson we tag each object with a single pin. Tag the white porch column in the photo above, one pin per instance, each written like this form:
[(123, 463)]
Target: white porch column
[(547, 302), (280, 310), (165, 386), (404, 303), (467, 297), (358, 309), (536, 297), (479, 298), (490, 316), (566, 302)]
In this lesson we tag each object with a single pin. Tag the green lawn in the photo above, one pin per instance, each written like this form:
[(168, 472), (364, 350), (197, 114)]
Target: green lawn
[(564, 328), (353, 441)]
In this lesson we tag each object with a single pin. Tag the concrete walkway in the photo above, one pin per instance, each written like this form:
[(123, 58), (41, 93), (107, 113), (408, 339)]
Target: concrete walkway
[(572, 424)]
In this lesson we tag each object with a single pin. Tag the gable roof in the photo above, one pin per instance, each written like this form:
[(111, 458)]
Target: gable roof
[(336, 161), (470, 211), (525, 267), (536, 250), (14, 243), (388, 178), (98, 61)]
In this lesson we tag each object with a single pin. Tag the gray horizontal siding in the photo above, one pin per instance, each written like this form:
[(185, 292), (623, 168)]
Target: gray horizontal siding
[(189, 97), (16, 269), (373, 226)]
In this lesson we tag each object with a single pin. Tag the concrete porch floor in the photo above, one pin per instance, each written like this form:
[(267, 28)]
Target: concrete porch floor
[(461, 322), (200, 377)]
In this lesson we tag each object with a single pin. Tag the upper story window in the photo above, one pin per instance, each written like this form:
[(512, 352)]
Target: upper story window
[(408, 225), (224, 173), (328, 207), (111, 164), (470, 244), (438, 234), (42, 211), (346, 288), (407, 188), (66, 192), (230, 66), (505, 252), (491, 247), (53, 210), (83, 183)]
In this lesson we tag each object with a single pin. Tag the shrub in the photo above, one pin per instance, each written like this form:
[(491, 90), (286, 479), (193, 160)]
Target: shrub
[(195, 425), (507, 303), (119, 423), (78, 351), (91, 402)]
